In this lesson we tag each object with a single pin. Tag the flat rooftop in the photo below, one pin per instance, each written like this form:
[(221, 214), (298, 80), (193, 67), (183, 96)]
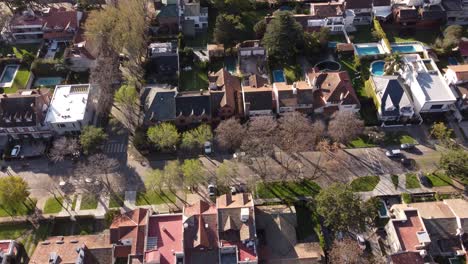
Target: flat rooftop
[(407, 231), (168, 231), (68, 103)]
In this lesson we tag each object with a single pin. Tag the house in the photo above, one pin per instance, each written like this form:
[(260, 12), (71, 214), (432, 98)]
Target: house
[(457, 11), (382, 9), (277, 229), (23, 114), (257, 96), (200, 221), (158, 103), (70, 109), (48, 24), (236, 229), (456, 74), (168, 19), (86, 249), (192, 108), (361, 10), (298, 96), (163, 61), (164, 244), (194, 16), (429, 90), (333, 91), (252, 57), (9, 252), (331, 15), (463, 49), (225, 94), (419, 13), (405, 15), (128, 234), (394, 103)]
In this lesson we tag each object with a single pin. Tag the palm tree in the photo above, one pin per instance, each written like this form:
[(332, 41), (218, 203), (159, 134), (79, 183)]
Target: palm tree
[(393, 63)]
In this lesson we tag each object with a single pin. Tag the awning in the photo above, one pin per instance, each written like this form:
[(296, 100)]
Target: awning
[(382, 13)]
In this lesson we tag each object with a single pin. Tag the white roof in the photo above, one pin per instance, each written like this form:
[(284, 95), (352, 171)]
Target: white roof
[(434, 87), (68, 103)]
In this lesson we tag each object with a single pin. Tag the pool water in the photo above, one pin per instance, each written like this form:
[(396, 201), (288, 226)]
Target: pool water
[(48, 81), (9, 73), (368, 50), (383, 213), (404, 48), (278, 76), (377, 68)]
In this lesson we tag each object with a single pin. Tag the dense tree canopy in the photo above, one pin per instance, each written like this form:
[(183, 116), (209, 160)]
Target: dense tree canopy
[(228, 29), (195, 138), (91, 138), (14, 191), (164, 136), (455, 163)]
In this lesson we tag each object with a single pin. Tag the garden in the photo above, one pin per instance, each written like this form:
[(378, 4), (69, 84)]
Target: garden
[(365, 183), (286, 190), (153, 197)]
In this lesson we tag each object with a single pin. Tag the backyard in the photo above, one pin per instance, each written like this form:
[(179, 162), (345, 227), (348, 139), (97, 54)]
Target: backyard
[(365, 183), (153, 197), (286, 190), (195, 79), (439, 179), (22, 209), (53, 205), (412, 181), (19, 49), (427, 37), (88, 202), (390, 139), (21, 79)]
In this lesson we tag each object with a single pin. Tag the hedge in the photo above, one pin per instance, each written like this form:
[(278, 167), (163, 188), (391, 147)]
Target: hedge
[(378, 28)]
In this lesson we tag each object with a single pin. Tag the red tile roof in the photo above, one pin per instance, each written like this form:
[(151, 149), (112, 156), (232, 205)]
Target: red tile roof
[(243, 251), (406, 230), (130, 225), (168, 230)]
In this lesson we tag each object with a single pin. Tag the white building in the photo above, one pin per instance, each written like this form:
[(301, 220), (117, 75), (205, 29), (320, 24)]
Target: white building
[(70, 109), (331, 15), (430, 91)]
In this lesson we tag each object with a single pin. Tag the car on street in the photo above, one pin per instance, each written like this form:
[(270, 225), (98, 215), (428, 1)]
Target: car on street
[(211, 190), (207, 147), (393, 153), (407, 146), (15, 151)]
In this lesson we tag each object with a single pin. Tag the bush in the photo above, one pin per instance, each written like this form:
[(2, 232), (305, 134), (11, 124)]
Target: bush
[(406, 197), (379, 32), (28, 58), (48, 67)]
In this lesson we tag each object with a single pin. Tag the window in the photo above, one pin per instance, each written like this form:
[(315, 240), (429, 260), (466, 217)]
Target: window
[(437, 107), (61, 125)]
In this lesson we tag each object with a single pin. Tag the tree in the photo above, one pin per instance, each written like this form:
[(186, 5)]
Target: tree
[(229, 134), (295, 132), (14, 191), (441, 132), (63, 147), (347, 251), (260, 28), (342, 209), (451, 38), (315, 42), (345, 126), (91, 137), (155, 179), (226, 173), (228, 29), (127, 100), (172, 174), (232, 6), (165, 136), (193, 172), (393, 63), (283, 37), (195, 138), (455, 163), (104, 75)]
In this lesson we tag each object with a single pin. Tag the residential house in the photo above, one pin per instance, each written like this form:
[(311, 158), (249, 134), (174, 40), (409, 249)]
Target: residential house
[(419, 13), (457, 11), (158, 103), (9, 252), (167, 18), (236, 229), (201, 244), (330, 15), (128, 235), (333, 91), (192, 108), (429, 90), (457, 77), (225, 94), (163, 61), (195, 17), (277, 228), (23, 114), (463, 49), (298, 96), (394, 103), (48, 24), (81, 55), (361, 10), (257, 96), (86, 249), (70, 109), (405, 15), (164, 244), (382, 9), (252, 57)]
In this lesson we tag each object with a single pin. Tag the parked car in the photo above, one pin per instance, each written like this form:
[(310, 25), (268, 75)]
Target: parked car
[(407, 146), (424, 180), (212, 190), (361, 242), (15, 151), (393, 153), (207, 148), (408, 163)]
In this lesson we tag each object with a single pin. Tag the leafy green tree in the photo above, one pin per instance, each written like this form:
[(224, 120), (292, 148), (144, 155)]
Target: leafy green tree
[(441, 132), (195, 138), (193, 172), (226, 173), (232, 6), (393, 63), (14, 191), (228, 29), (260, 28), (91, 138), (283, 37), (452, 36), (165, 136), (455, 163), (155, 180), (342, 209), (126, 100), (172, 174)]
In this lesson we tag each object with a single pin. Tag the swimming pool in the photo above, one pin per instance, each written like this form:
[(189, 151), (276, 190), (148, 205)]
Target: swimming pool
[(328, 65), (377, 68), (48, 81), (278, 76), (367, 50), (8, 75), (383, 211), (404, 48)]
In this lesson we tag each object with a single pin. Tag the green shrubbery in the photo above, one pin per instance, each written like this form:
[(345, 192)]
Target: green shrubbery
[(380, 33)]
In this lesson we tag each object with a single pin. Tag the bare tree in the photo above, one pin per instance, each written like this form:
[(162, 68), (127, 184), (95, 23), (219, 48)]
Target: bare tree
[(229, 134), (295, 133), (63, 147), (345, 126), (103, 76), (347, 251)]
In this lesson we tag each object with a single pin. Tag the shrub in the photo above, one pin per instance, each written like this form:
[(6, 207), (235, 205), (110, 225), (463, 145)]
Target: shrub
[(48, 67), (406, 197), (379, 32)]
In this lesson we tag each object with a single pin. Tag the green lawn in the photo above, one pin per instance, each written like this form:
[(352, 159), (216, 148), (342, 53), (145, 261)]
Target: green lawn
[(439, 179), (337, 38), (21, 210), (361, 142), (362, 35), (193, 80), (293, 73), (151, 197), (75, 198), (365, 183), (53, 205), (412, 181), (19, 49), (21, 79), (425, 36), (397, 138), (13, 230), (116, 201), (395, 181), (287, 190), (88, 202)]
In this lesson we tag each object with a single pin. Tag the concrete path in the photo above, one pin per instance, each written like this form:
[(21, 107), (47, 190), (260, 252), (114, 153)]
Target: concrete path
[(130, 199), (385, 187)]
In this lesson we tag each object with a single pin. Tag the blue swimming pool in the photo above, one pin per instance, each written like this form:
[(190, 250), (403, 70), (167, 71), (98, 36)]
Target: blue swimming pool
[(9, 73), (383, 212), (48, 81), (278, 76), (404, 48), (364, 51), (377, 68)]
